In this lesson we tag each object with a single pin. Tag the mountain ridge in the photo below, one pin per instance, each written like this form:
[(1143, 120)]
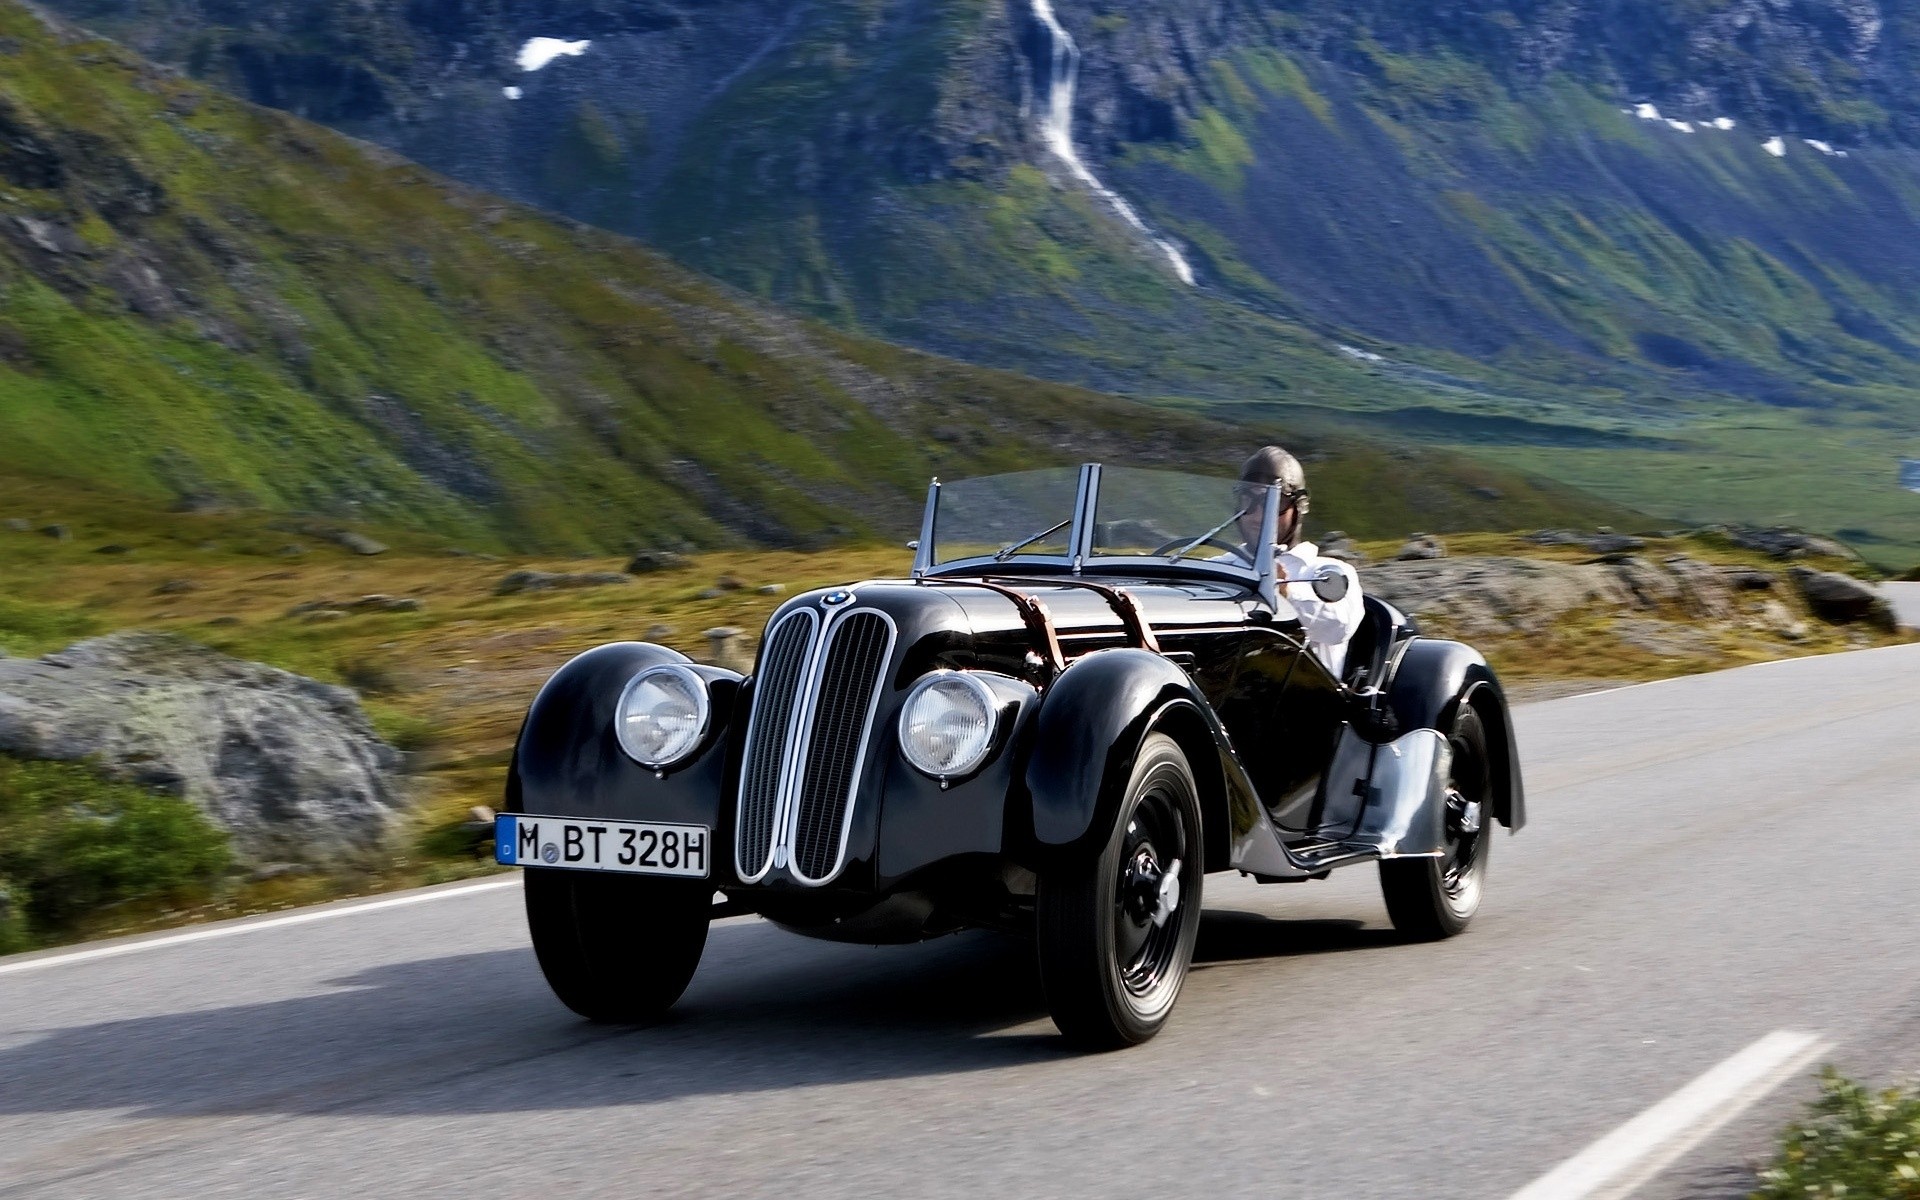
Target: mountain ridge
[(207, 304)]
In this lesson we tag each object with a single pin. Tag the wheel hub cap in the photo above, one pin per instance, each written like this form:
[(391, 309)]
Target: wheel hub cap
[(1168, 896), (1462, 813), (1152, 892)]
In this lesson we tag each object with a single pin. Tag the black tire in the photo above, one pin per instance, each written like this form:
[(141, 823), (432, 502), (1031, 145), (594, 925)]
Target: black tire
[(1111, 975), (615, 948), (1434, 898)]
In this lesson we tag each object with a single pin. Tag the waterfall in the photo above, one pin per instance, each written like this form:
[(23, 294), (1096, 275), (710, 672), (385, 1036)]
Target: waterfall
[(1056, 126)]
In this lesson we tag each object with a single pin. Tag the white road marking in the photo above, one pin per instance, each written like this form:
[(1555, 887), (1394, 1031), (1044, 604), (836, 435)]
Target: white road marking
[(1619, 1163), (232, 928)]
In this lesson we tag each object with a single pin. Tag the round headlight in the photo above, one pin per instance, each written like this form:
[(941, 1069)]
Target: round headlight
[(662, 715), (947, 725)]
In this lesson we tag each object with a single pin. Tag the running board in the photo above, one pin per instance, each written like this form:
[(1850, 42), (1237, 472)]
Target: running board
[(1388, 801)]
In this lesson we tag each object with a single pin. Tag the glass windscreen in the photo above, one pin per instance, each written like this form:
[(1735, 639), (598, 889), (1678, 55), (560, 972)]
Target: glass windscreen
[(1005, 516), (1163, 513)]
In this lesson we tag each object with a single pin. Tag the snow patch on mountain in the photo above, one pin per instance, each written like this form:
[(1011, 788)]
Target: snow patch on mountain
[(538, 52), (1650, 112)]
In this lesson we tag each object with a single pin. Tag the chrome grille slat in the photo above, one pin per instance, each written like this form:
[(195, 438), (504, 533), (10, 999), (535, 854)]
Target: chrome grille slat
[(849, 677), (784, 666)]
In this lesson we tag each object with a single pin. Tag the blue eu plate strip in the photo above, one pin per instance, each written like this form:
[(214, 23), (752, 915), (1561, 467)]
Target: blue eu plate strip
[(504, 852)]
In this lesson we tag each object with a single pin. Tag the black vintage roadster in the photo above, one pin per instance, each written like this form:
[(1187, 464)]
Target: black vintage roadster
[(1089, 695)]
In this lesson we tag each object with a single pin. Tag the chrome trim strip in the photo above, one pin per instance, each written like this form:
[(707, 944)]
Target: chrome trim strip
[(1080, 540), (923, 553), (1266, 565), (783, 849), (805, 695), (812, 616)]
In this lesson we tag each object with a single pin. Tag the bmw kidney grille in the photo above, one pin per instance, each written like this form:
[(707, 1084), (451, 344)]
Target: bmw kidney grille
[(813, 711)]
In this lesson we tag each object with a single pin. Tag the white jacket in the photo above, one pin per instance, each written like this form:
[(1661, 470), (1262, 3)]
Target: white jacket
[(1328, 626)]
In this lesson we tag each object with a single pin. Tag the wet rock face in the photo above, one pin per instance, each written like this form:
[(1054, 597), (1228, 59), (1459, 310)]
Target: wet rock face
[(288, 766), (26, 159)]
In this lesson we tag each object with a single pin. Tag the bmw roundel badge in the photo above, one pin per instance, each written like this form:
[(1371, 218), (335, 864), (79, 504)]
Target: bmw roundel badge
[(836, 597)]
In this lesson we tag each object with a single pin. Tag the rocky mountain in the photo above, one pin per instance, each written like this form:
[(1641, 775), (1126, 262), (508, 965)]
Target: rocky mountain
[(207, 304), (1543, 231)]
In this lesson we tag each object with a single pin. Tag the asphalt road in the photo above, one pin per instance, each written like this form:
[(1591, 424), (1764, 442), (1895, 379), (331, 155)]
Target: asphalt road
[(1905, 598), (1711, 859)]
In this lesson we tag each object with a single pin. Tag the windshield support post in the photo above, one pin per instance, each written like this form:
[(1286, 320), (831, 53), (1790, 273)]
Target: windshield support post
[(923, 549), (1080, 540), (1265, 563)]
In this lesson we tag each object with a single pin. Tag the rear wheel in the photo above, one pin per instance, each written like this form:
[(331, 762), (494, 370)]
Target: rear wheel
[(1116, 931), (615, 948), (1433, 898)]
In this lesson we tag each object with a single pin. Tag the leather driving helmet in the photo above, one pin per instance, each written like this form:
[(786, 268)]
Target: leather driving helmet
[(1272, 466)]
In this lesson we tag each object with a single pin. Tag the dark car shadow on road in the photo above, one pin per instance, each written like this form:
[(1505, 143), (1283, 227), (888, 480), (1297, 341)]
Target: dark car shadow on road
[(481, 1033), (1231, 937)]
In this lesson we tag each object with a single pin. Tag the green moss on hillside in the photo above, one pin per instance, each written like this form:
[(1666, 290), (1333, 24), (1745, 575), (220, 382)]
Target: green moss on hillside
[(243, 308)]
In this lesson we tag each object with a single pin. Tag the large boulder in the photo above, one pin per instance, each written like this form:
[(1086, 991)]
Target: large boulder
[(1842, 599), (1704, 591), (1421, 547), (1477, 596), (288, 766), (1491, 595), (547, 581), (1783, 542)]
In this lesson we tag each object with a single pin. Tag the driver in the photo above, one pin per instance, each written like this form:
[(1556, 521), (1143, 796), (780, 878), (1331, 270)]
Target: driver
[(1328, 625)]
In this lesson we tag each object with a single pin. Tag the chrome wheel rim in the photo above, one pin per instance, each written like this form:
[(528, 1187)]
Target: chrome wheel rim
[(1466, 827)]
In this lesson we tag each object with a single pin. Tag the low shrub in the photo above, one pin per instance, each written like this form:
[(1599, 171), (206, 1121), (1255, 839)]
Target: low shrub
[(73, 844), (401, 729), (370, 677), (1853, 1143), (28, 628)]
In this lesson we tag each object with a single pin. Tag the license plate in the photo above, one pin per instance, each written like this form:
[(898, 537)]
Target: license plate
[(633, 847)]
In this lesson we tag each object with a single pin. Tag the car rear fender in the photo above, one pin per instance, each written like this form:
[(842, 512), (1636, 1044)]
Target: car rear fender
[(567, 761), (1087, 735), (1432, 679)]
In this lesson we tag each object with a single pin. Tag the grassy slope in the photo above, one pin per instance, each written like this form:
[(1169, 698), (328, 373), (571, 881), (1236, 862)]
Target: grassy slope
[(266, 312)]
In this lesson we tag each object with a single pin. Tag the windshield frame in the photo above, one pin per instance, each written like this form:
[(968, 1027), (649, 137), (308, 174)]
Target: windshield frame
[(1082, 558)]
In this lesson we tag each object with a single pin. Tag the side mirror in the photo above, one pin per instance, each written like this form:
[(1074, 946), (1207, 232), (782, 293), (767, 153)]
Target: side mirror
[(1331, 586)]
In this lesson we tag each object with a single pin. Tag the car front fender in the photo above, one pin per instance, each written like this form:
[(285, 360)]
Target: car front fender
[(568, 762), (1088, 730), (1432, 679)]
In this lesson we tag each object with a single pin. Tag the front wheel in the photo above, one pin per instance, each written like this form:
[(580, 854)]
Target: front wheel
[(614, 948), (1116, 931), (1434, 898)]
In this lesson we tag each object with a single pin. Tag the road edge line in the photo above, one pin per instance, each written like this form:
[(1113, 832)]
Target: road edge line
[(1618, 1163), (223, 929)]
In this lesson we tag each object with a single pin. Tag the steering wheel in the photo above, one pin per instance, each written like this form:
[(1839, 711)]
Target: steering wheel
[(1237, 551)]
